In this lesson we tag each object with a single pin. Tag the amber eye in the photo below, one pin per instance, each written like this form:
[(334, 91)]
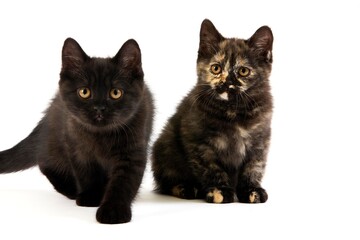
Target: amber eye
[(244, 71), (115, 93), (215, 69), (84, 92)]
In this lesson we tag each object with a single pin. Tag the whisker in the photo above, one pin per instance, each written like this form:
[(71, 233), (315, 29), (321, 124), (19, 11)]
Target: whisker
[(248, 101), (200, 94)]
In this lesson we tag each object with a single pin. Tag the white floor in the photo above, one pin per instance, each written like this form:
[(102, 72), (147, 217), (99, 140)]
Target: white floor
[(30, 209)]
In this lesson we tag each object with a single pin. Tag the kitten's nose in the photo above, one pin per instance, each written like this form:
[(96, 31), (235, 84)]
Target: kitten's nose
[(99, 108), (231, 81)]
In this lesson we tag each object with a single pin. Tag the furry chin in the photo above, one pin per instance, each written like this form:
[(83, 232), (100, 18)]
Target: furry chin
[(224, 96), (98, 123)]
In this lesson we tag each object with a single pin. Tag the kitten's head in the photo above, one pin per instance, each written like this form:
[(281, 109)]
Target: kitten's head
[(101, 92), (232, 66)]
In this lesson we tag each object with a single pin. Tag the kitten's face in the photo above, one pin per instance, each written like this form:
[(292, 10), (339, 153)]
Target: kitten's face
[(233, 66), (101, 92)]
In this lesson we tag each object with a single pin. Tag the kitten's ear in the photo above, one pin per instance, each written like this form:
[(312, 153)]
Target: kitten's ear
[(72, 54), (129, 58), (261, 43), (129, 55), (209, 39)]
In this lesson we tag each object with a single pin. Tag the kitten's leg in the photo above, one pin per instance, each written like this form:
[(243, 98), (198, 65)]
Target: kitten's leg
[(249, 188), (172, 175), (172, 180), (57, 170), (215, 181), (63, 181), (91, 181), (122, 187)]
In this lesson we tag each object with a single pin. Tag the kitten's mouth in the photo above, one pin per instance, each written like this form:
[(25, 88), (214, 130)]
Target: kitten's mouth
[(99, 117), (224, 91)]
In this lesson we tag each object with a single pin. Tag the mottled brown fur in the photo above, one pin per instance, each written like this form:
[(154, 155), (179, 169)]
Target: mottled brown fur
[(215, 146)]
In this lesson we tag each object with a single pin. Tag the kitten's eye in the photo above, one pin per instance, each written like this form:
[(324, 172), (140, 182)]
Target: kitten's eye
[(115, 93), (84, 92), (244, 71), (215, 69)]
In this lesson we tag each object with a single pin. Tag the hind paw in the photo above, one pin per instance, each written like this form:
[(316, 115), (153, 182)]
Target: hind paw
[(181, 191)]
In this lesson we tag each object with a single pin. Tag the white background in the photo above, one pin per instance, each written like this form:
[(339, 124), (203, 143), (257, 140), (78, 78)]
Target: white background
[(313, 168)]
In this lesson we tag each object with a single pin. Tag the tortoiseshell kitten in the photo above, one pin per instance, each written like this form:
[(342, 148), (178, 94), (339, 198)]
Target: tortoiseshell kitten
[(215, 146), (92, 142)]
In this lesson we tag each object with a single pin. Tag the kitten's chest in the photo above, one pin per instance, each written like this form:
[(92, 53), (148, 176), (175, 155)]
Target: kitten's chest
[(86, 147), (232, 144)]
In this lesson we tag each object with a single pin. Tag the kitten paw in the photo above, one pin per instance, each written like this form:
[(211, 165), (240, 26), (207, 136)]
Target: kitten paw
[(254, 195), (113, 214), (181, 191), (222, 195)]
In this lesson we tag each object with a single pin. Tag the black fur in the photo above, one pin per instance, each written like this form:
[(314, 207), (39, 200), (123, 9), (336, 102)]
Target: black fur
[(93, 149)]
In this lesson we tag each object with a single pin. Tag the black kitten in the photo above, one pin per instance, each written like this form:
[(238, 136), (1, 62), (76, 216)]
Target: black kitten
[(92, 142), (216, 144)]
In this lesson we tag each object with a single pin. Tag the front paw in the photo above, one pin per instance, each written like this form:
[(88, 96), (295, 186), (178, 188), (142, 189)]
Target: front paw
[(219, 195), (253, 195), (113, 214)]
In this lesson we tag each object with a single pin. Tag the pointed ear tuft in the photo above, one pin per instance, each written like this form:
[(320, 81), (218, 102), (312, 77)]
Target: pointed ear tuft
[(209, 39), (261, 43), (72, 54), (129, 57), (129, 54)]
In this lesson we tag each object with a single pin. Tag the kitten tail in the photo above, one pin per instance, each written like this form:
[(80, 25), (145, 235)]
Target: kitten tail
[(22, 156)]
